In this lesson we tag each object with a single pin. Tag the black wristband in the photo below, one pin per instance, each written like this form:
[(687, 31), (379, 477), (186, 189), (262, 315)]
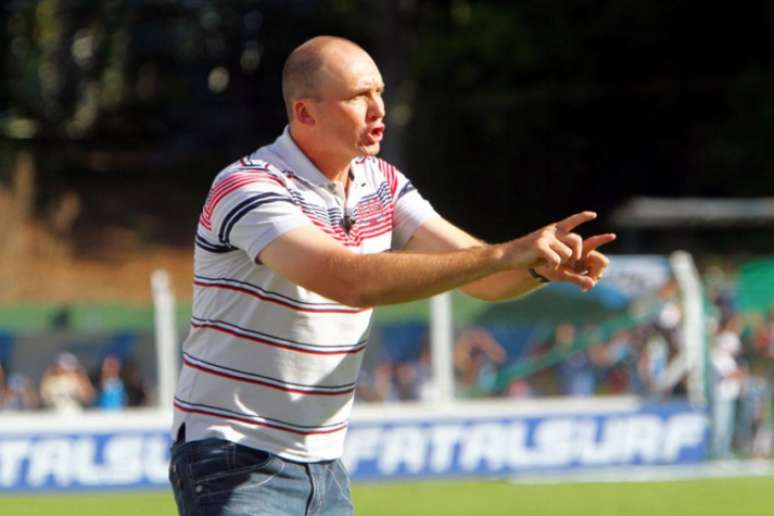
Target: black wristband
[(535, 274)]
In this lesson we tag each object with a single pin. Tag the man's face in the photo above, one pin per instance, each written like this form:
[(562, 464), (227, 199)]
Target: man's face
[(350, 111)]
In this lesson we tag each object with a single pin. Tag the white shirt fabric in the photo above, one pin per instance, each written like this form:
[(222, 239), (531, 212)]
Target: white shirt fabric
[(268, 363)]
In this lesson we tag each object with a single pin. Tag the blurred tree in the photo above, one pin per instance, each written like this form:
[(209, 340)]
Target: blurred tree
[(539, 107), (128, 102), (548, 106)]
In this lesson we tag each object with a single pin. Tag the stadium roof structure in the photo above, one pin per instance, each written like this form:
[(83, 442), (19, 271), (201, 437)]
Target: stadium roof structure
[(693, 212)]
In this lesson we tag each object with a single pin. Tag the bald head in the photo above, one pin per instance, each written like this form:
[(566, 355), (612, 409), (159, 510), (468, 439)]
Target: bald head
[(308, 66)]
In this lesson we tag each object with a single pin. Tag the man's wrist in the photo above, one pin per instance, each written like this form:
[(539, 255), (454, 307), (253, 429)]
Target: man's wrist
[(498, 254)]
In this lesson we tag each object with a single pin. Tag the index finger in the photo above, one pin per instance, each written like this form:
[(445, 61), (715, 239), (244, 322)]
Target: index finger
[(576, 220), (592, 243)]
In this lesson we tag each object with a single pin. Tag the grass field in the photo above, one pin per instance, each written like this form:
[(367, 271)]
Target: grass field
[(715, 497)]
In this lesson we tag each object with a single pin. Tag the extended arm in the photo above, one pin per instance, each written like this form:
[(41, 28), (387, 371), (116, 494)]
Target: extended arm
[(309, 258)]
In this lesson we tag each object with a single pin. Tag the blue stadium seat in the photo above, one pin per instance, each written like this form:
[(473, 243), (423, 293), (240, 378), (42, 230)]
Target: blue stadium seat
[(92, 349), (6, 346), (121, 344), (402, 342)]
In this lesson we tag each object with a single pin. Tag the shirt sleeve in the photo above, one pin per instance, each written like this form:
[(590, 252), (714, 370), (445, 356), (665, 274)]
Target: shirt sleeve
[(411, 210), (255, 212)]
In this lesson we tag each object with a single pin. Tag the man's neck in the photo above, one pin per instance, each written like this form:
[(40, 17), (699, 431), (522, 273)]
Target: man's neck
[(334, 167)]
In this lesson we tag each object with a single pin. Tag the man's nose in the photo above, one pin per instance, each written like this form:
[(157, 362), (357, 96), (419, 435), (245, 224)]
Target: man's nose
[(376, 108)]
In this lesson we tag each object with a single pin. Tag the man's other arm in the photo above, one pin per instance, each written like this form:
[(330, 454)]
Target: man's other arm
[(439, 235), (312, 259)]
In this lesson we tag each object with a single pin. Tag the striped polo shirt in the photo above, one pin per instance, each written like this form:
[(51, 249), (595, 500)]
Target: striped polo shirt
[(268, 363)]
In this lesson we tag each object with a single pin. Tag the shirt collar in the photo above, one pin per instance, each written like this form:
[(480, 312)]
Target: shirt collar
[(299, 163)]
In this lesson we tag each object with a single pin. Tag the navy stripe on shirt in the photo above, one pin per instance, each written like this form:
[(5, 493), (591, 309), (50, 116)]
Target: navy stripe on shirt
[(239, 211)]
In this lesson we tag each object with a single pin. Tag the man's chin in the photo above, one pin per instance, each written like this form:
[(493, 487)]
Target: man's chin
[(370, 149)]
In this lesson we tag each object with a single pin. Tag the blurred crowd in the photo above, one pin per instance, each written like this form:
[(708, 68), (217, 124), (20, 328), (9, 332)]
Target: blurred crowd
[(67, 387), (740, 372), (640, 357), (512, 360), (637, 353)]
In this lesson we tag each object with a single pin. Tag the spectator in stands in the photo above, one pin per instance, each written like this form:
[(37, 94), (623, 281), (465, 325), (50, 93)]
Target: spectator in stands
[(111, 390), (20, 394), (412, 380), (65, 386), (136, 390), (404, 380), (728, 385), (754, 409), (621, 364), (576, 372), (669, 319), (477, 359), (423, 386), (541, 381), (367, 389), (654, 359), (16, 392), (753, 431), (764, 337)]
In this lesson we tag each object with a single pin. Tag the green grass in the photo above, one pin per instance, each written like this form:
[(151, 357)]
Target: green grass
[(715, 497)]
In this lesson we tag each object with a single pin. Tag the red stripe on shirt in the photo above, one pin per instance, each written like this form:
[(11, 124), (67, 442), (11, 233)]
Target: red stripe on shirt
[(265, 384), (256, 423), (390, 175), (286, 304), (229, 184), (274, 344)]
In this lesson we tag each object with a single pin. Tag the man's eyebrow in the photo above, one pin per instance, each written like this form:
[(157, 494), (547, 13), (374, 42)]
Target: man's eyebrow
[(369, 87)]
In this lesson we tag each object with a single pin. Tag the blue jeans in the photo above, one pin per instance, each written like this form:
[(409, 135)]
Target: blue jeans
[(216, 477), (723, 422)]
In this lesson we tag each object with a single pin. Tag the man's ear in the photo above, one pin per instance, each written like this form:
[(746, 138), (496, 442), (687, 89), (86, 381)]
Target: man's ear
[(302, 113)]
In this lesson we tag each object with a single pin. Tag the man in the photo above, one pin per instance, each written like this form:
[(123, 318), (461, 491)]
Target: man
[(291, 253), (729, 378)]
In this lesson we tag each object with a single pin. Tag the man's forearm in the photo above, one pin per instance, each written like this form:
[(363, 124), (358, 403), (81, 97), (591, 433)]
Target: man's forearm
[(388, 278)]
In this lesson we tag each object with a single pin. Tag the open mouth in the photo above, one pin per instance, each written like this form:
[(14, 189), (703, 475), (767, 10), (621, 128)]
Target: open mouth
[(376, 133)]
